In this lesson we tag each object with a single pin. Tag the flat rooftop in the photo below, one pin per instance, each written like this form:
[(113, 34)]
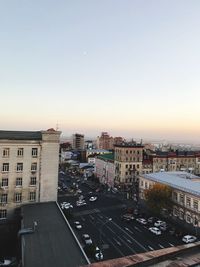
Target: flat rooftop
[(20, 135), (179, 180), (53, 243)]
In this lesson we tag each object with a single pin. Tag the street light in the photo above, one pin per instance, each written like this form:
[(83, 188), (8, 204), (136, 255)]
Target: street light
[(100, 231)]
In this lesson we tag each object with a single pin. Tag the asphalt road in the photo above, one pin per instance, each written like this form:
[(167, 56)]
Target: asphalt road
[(116, 238)]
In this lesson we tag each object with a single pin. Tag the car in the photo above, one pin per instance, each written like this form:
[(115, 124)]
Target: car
[(8, 262), (66, 205), (86, 239), (78, 225), (159, 223), (189, 239), (155, 230), (79, 191), (93, 199), (98, 254), (141, 221), (80, 203), (127, 217)]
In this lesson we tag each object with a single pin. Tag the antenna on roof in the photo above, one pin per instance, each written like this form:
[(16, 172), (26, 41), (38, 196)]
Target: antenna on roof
[(57, 126)]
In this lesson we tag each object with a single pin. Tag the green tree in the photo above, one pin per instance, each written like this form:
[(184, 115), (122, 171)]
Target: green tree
[(159, 198)]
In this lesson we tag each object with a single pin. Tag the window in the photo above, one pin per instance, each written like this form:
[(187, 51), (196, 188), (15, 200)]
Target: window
[(32, 196), (18, 181), (6, 152), (18, 197), (19, 167), (4, 198), (3, 214), (146, 185), (175, 196), (188, 218), (195, 205), (5, 167), (20, 152), (34, 152), (33, 166), (188, 201), (4, 182), (33, 181), (126, 151), (126, 166), (181, 198)]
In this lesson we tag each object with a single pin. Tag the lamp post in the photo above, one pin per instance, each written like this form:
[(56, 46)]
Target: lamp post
[(100, 231)]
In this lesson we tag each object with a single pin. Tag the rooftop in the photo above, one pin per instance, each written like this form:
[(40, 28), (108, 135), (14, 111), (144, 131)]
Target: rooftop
[(179, 180), (21, 135), (53, 243), (109, 157)]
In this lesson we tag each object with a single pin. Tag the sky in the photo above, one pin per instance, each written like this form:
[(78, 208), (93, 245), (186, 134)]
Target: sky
[(128, 67)]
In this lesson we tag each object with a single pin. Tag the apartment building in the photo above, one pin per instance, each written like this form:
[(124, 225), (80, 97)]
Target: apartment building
[(185, 193), (105, 141), (78, 141), (105, 169), (29, 168), (128, 159), (176, 161)]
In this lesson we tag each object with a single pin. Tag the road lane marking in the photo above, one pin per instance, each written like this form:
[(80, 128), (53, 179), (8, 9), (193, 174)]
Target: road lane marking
[(127, 229), (150, 248), (116, 248), (118, 243), (125, 243), (160, 246), (91, 217), (171, 245), (129, 241), (140, 245), (111, 229), (137, 229)]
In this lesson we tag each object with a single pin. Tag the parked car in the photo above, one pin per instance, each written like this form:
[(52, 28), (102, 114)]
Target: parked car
[(159, 223), (93, 199), (78, 225), (141, 221), (8, 262), (189, 239), (80, 203), (98, 254), (127, 217), (152, 219), (66, 205), (86, 239), (155, 230)]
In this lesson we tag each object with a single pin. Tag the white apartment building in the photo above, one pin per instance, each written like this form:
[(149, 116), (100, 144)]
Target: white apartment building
[(185, 193), (28, 168), (105, 169)]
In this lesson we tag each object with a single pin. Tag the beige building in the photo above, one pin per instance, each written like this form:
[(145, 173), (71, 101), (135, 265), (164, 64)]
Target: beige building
[(29, 168), (185, 193), (128, 162), (177, 161)]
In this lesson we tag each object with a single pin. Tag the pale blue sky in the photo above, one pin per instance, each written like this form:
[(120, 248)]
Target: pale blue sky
[(127, 67)]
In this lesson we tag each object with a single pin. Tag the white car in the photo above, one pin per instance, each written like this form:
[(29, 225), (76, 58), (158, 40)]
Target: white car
[(86, 239), (98, 254), (155, 230), (66, 205), (189, 239), (78, 225), (159, 223), (80, 203), (141, 221), (93, 199)]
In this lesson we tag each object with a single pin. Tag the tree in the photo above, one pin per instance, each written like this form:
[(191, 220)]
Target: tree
[(158, 198)]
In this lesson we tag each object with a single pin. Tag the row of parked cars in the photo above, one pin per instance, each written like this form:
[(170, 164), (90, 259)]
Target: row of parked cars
[(158, 226)]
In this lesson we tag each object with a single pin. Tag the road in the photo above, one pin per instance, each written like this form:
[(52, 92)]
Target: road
[(116, 238)]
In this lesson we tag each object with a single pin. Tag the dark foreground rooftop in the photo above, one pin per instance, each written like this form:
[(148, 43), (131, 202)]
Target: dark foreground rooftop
[(52, 244), (20, 135)]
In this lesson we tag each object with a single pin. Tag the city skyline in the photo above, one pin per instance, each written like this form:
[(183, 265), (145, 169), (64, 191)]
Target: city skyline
[(126, 67)]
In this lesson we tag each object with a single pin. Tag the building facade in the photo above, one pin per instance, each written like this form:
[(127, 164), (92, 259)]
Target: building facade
[(78, 141), (185, 193), (105, 169), (128, 162), (29, 168)]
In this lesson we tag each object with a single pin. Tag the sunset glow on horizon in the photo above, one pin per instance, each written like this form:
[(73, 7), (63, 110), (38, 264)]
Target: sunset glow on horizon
[(130, 68)]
